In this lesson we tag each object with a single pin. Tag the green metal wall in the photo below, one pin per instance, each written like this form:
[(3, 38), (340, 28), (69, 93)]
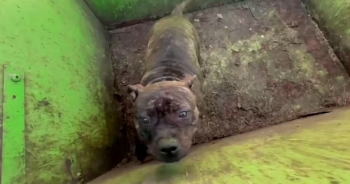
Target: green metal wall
[(334, 19), (56, 119), (118, 11), (306, 151)]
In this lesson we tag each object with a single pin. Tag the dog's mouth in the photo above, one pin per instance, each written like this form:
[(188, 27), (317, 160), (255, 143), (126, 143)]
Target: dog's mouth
[(170, 157)]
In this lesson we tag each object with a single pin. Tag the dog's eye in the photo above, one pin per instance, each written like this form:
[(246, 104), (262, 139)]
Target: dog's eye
[(145, 120), (183, 114)]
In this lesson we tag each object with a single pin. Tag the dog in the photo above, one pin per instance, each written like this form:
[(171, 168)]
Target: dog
[(165, 102)]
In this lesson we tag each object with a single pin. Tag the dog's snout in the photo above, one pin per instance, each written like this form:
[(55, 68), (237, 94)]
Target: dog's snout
[(168, 146)]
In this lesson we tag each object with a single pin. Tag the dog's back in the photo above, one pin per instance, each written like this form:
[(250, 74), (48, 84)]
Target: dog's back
[(173, 49)]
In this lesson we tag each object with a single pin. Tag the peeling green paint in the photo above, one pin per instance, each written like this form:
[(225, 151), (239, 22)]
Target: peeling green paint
[(340, 78), (249, 50), (295, 152), (302, 61)]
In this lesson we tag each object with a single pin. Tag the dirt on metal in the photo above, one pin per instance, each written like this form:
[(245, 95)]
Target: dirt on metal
[(265, 62), (292, 152)]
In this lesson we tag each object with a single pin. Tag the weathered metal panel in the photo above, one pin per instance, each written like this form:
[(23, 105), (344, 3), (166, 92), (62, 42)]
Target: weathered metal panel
[(311, 150), (71, 125)]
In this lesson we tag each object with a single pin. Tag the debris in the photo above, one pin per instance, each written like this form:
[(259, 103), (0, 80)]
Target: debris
[(226, 27), (294, 24), (196, 20), (220, 16)]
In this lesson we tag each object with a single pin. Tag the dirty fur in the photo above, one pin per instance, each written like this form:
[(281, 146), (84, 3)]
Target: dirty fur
[(166, 100)]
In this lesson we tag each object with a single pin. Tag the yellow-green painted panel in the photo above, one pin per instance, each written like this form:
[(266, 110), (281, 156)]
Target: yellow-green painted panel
[(12, 126), (70, 122), (307, 151)]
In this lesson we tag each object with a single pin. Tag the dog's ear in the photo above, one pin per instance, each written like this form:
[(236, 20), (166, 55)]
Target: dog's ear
[(188, 81), (135, 90)]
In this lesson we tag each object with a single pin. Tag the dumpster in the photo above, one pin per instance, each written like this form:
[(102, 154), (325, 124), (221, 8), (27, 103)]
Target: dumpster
[(66, 116)]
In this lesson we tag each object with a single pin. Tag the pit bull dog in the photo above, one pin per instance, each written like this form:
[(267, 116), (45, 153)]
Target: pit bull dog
[(167, 98)]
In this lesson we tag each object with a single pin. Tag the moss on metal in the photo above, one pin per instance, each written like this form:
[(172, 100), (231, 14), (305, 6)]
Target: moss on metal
[(334, 19), (118, 11), (312, 150), (60, 48)]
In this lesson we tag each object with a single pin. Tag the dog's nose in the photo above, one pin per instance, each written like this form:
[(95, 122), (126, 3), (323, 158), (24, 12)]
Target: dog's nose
[(168, 146), (169, 150)]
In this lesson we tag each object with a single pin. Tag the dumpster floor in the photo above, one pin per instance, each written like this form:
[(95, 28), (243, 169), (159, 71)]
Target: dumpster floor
[(265, 62), (310, 150)]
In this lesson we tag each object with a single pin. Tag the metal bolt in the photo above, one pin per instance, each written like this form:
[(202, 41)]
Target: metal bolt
[(15, 78)]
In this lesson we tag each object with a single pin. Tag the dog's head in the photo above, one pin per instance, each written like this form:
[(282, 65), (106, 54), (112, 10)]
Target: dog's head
[(166, 117)]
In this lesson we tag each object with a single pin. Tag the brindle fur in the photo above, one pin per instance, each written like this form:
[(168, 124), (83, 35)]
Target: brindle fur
[(171, 84)]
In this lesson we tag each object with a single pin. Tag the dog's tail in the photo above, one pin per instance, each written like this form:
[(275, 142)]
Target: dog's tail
[(180, 8)]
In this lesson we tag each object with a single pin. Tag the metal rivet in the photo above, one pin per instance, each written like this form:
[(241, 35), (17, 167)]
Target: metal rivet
[(15, 78)]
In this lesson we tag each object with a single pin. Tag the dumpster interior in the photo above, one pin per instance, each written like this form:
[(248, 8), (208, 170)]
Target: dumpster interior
[(268, 65), (265, 62)]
